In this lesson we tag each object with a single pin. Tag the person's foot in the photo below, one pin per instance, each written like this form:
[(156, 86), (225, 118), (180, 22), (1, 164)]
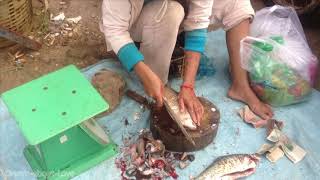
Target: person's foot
[(247, 96)]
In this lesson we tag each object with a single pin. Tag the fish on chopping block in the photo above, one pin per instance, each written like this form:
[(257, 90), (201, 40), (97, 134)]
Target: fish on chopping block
[(231, 167), (183, 119), (171, 102)]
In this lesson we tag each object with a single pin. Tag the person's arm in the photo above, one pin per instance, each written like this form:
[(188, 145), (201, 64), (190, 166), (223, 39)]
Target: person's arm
[(187, 97), (115, 26), (116, 15), (195, 25)]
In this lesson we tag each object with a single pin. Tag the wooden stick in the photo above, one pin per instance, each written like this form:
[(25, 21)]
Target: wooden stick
[(19, 38)]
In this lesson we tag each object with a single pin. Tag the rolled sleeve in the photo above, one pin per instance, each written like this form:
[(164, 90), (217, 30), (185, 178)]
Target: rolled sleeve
[(195, 40), (129, 56)]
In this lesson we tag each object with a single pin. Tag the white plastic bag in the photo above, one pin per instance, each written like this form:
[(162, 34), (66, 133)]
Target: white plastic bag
[(281, 65)]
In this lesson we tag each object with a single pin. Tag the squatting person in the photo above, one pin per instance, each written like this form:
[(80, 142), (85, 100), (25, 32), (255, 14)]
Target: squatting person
[(156, 23)]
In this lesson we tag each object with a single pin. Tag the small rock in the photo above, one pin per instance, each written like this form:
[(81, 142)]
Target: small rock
[(167, 154), (35, 53), (136, 116), (177, 156), (74, 20), (191, 157), (237, 131), (184, 156), (21, 60), (30, 56), (183, 165), (126, 122), (59, 17), (68, 29), (172, 130)]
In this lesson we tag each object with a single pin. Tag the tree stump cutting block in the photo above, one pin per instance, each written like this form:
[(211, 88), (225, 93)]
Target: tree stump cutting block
[(164, 128)]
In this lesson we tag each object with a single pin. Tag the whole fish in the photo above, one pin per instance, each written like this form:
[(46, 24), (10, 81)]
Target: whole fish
[(231, 167)]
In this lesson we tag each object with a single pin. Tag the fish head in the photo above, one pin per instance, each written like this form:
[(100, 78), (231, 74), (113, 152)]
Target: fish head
[(251, 160), (247, 166), (255, 157)]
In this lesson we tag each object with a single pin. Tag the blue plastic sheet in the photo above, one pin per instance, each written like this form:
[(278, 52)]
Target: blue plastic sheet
[(302, 125)]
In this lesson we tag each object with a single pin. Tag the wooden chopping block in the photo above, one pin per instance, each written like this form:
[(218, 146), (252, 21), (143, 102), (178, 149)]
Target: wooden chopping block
[(164, 128)]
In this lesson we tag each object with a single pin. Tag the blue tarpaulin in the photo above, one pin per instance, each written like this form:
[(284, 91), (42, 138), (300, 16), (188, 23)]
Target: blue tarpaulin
[(302, 124)]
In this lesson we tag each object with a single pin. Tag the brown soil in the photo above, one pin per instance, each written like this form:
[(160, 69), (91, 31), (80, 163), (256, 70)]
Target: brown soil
[(85, 47)]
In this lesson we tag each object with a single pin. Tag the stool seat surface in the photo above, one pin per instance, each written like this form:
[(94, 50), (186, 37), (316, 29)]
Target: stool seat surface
[(53, 103)]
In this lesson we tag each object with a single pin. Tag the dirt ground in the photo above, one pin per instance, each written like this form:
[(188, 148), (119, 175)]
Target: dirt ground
[(83, 45)]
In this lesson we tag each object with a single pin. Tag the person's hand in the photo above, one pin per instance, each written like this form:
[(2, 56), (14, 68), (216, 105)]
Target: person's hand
[(189, 101), (152, 84)]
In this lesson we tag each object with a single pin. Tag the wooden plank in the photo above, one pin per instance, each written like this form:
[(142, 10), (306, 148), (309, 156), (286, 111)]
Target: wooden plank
[(19, 38)]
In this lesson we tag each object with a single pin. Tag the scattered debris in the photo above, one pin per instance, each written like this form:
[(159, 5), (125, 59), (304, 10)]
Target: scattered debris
[(264, 148), (249, 117), (294, 152), (274, 154), (46, 5), (184, 156), (61, 29), (191, 157), (274, 135), (183, 164), (274, 124), (238, 131), (136, 116), (126, 122), (17, 59), (282, 144), (74, 20), (59, 17), (146, 158)]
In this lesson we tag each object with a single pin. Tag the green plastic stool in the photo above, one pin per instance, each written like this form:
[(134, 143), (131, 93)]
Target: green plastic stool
[(55, 114)]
